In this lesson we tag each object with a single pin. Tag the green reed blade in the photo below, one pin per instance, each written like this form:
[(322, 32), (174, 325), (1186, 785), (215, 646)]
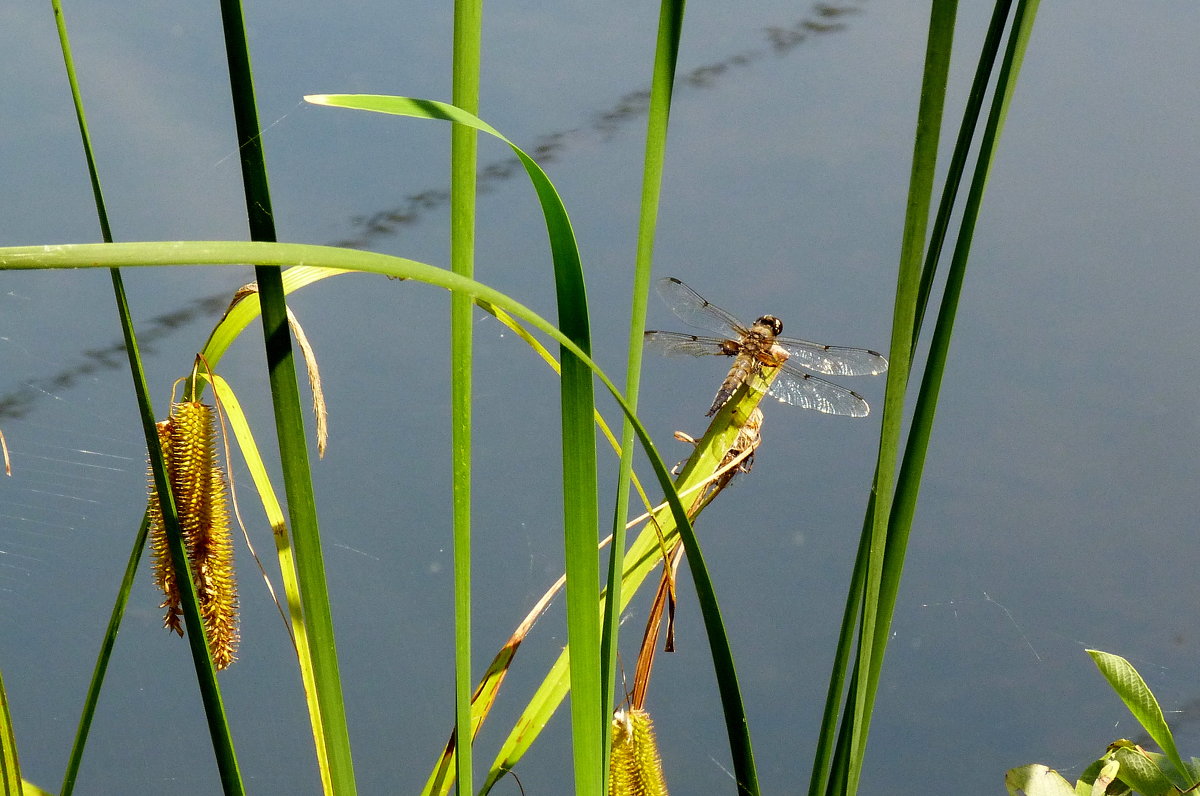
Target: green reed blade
[(662, 81), (289, 421), (463, 147), (929, 119), (206, 676)]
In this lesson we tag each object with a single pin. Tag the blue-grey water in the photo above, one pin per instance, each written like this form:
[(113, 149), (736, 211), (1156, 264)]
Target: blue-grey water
[(1059, 505)]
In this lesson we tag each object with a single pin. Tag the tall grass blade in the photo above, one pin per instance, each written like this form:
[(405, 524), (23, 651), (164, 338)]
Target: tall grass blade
[(828, 772), (865, 680), (914, 455), (985, 67), (908, 484), (231, 408), (289, 422), (856, 717), (463, 147), (487, 689), (958, 160), (214, 708), (662, 82), (102, 659)]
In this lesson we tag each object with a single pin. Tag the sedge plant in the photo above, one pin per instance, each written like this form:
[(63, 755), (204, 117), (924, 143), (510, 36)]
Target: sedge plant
[(589, 670)]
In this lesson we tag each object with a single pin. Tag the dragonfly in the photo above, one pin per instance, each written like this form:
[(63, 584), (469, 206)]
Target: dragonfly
[(760, 345)]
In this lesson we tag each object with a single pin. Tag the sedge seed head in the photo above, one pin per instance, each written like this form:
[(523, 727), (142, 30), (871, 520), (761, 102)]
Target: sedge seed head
[(198, 486), (635, 768)]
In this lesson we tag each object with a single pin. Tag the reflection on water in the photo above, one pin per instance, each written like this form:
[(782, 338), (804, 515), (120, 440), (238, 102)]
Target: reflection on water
[(17, 402), (822, 19)]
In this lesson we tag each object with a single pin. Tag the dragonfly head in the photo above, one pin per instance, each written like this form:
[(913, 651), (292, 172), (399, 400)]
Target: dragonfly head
[(772, 323)]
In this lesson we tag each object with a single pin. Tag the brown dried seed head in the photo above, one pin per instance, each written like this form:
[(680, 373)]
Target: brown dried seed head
[(216, 582), (164, 573), (198, 486)]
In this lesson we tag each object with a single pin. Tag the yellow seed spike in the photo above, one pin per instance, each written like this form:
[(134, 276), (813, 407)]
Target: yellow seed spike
[(218, 600), (635, 768), (198, 486), (164, 573)]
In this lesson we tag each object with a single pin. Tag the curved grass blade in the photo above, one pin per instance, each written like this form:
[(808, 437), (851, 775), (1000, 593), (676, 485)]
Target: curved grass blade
[(589, 714), (247, 307)]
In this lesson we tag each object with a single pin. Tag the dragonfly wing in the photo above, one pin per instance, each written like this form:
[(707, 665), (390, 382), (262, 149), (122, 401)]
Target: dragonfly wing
[(833, 360), (694, 310), (809, 392), (679, 344)]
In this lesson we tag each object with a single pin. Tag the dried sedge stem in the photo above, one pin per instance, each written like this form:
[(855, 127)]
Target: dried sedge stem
[(320, 410), (738, 459), (635, 768), (198, 485)]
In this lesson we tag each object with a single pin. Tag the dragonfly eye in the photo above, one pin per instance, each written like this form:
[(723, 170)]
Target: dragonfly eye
[(773, 323)]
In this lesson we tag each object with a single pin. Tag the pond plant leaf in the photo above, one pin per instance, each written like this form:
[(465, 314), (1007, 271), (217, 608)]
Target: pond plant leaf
[(1140, 700)]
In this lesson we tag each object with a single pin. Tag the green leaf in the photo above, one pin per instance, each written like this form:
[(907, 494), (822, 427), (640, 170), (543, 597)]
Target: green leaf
[(1136, 695), (1107, 773), (1037, 780), (1143, 771)]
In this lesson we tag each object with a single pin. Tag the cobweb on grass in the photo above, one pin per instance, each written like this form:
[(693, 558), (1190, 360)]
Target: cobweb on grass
[(70, 467)]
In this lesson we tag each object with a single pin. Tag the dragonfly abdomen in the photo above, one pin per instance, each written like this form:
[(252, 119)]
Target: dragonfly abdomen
[(743, 366)]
